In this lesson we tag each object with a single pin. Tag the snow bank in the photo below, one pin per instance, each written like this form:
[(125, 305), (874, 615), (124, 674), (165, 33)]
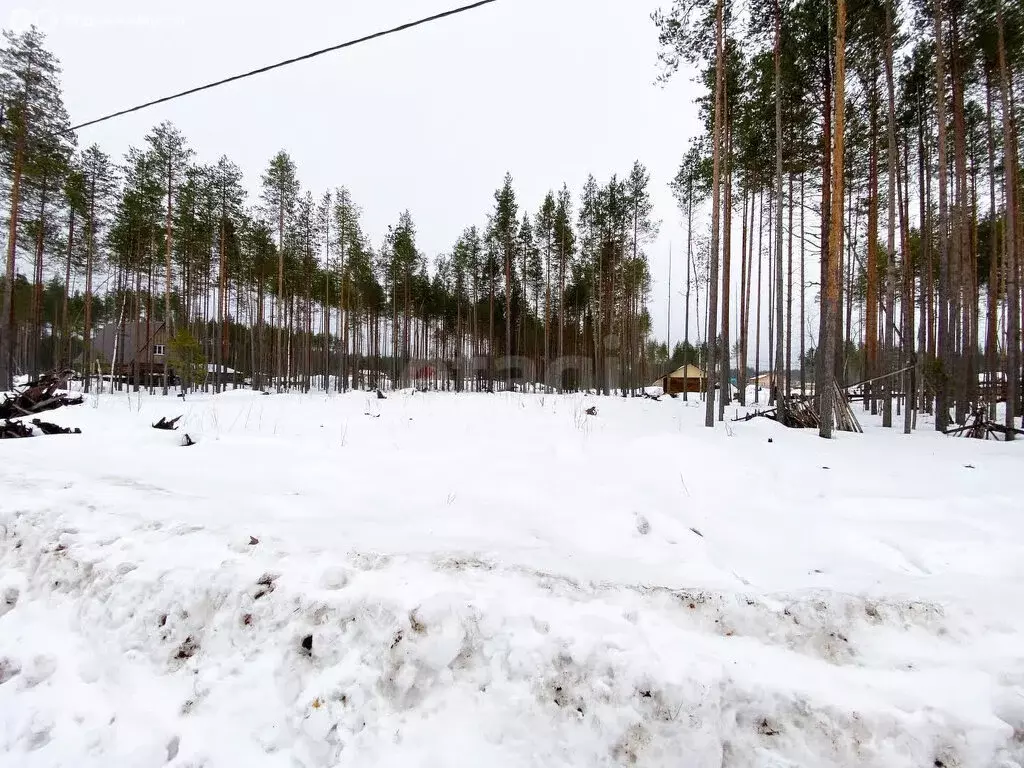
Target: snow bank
[(439, 580)]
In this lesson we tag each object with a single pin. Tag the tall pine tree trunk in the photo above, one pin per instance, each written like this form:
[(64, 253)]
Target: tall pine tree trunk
[(65, 356), (1012, 291), (279, 300), (562, 258), (742, 362), (689, 258), (221, 346), (803, 297), (168, 241), (757, 324), (780, 373), (755, 216), (508, 316), (944, 340), (823, 372), (7, 312), (910, 387), (871, 306), (789, 297), (90, 243), (961, 290), (833, 274), (716, 183), (991, 360), (726, 346), (37, 283), (890, 292)]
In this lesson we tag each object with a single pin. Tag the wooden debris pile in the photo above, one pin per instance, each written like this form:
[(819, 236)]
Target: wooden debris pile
[(10, 430), (34, 398), (846, 419), (800, 412), (39, 396), (979, 427), (797, 413)]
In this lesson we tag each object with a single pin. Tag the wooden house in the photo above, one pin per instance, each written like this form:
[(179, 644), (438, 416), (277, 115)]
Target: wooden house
[(688, 378), (140, 347)]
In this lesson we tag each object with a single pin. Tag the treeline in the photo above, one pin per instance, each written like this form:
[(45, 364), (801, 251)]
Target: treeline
[(287, 287), (880, 139)]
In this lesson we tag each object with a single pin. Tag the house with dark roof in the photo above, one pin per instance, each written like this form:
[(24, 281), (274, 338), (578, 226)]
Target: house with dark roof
[(140, 347)]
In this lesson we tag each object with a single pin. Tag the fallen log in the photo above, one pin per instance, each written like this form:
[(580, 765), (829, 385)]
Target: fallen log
[(52, 429), (167, 425)]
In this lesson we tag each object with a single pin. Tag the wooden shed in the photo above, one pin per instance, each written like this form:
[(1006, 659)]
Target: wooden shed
[(688, 378)]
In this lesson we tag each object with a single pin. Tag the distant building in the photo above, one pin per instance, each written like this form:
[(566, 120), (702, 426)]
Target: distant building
[(688, 378), (141, 350), (231, 376)]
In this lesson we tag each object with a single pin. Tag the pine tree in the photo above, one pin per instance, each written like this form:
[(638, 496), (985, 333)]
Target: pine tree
[(350, 244), (227, 179), (171, 156), (34, 131), (74, 201), (280, 194), (546, 235), (1013, 359), (643, 230), (504, 224), (565, 248), (717, 142), (531, 279), (690, 188), (98, 173), (833, 275)]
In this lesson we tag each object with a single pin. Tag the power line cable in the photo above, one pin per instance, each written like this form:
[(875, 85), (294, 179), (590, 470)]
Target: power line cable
[(288, 62)]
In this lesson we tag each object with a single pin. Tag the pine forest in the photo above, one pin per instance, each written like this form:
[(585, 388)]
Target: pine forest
[(852, 207)]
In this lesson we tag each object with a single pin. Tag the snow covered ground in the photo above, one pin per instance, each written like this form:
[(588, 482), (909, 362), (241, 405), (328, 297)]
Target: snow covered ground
[(440, 580)]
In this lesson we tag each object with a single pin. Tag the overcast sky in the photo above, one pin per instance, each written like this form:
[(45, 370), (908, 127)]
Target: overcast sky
[(429, 120)]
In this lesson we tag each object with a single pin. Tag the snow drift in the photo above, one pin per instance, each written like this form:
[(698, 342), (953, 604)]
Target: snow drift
[(439, 580)]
